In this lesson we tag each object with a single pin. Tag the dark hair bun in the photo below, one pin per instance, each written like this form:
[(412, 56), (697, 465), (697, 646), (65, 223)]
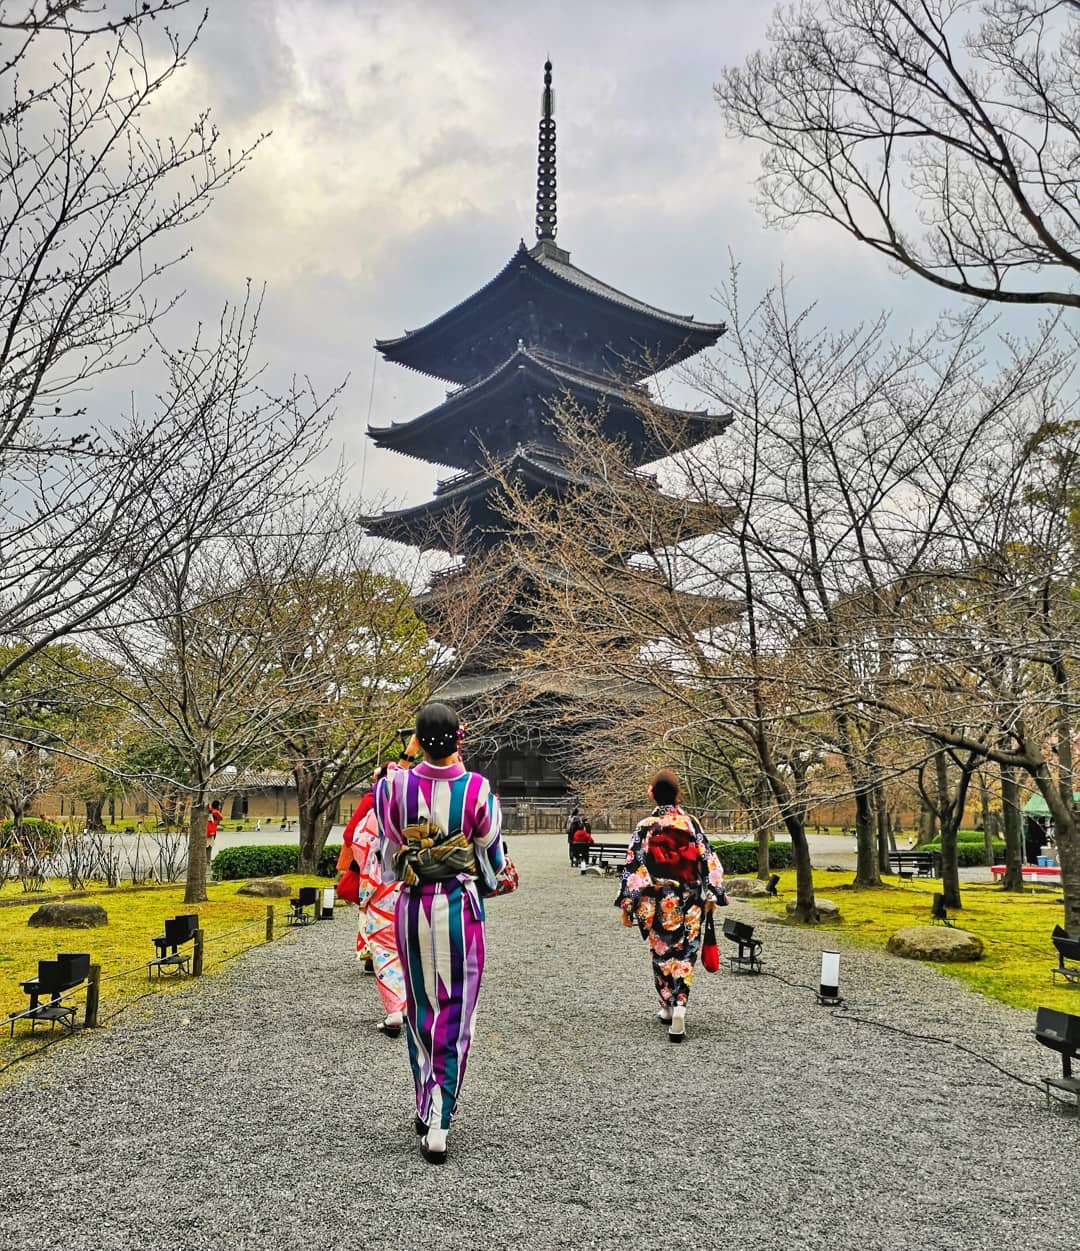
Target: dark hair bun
[(437, 728)]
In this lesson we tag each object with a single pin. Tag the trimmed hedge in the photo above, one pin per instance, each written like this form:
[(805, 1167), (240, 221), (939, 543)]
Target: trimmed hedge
[(37, 829), (233, 863), (970, 854), (740, 859)]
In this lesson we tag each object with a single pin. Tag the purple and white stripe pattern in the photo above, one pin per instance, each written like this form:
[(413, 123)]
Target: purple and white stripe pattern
[(440, 925)]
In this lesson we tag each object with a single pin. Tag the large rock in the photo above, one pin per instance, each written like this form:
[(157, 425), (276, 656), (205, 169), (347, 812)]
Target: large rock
[(827, 910), (745, 887), (935, 942), (266, 888), (70, 916)]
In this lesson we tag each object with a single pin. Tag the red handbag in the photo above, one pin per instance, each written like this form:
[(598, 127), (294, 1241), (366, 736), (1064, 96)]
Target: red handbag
[(348, 887), (710, 952)]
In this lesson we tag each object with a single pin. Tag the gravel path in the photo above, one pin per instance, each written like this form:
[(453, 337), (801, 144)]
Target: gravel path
[(259, 1109)]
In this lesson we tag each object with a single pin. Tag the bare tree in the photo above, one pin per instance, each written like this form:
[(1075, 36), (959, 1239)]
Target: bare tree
[(942, 135), (93, 207)]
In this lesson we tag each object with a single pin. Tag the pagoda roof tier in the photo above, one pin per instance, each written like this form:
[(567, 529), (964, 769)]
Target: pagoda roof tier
[(468, 508), (539, 298), (514, 405)]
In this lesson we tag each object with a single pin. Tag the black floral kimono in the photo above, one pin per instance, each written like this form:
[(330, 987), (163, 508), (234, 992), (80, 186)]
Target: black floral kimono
[(671, 872)]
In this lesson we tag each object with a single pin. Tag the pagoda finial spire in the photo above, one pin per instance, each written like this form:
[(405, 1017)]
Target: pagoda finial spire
[(545, 166)]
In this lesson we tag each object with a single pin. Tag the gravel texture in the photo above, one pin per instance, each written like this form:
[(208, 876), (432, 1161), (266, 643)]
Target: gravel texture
[(259, 1108)]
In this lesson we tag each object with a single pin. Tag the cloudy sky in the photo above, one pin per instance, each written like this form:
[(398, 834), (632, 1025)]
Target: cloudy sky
[(400, 173)]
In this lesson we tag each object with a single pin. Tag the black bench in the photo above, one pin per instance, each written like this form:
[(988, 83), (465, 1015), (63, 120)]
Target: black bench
[(605, 856), (178, 931), (1068, 948), (54, 978), (307, 897), (915, 863)]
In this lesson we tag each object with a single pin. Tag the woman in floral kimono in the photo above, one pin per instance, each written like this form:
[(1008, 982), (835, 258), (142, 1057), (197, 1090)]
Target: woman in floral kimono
[(672, 876), (377, 901), (441, 837)]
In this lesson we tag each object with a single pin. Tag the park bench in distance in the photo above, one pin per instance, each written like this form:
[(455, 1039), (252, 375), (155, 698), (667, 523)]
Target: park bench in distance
[(605, 856), (54, 978), (915, 863), (178, 931)]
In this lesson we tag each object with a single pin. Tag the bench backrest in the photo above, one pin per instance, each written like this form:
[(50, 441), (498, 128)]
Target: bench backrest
[(307, 896), (1068, 947), (181, 929), (67, 970)]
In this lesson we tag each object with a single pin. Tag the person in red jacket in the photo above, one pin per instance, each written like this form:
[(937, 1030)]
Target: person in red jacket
[(212, 823)]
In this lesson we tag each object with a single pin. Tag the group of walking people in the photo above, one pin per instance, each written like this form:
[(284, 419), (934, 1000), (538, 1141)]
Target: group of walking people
[(427, 846)]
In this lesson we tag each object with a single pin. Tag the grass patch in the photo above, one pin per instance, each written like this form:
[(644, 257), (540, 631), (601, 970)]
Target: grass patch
[(1015, 930), (231, 923)]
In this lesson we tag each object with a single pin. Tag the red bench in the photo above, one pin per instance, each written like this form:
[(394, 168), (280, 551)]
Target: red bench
[(1048, 874)]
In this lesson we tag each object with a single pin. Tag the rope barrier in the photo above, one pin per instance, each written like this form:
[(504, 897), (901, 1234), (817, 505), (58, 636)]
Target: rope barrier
[(81, 990)]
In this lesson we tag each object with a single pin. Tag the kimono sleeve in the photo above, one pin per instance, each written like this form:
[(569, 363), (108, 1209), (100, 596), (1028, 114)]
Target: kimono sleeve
[(487, 835), (635, 879)]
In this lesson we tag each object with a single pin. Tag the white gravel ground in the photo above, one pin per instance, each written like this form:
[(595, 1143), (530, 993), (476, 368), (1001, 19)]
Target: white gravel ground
[(259, 1108)]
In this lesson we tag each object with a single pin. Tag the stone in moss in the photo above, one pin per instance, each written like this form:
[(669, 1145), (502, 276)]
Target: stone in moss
[(70, 916), (935, 942)]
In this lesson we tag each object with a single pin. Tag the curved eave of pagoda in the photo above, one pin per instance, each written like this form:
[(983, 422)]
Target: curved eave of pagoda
[(639, 339), (453, 432), (468, 498)]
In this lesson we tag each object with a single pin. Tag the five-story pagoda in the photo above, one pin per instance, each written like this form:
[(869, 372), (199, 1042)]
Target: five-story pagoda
[(539, 333)]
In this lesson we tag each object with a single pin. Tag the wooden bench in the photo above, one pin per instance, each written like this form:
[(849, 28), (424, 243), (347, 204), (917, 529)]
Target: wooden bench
[(605, 856), (54, 978), (178, 931), (915, 863)]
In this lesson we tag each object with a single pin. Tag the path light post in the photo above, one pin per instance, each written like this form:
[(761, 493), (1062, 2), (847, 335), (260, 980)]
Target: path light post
[(829, 987)]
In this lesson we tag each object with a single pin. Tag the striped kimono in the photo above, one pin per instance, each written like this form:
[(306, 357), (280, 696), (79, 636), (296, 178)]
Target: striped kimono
[(440, 925)]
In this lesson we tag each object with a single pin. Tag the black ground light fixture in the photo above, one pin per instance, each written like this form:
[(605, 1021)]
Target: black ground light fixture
[(829, 988), (1060, 1031), (749, 958)]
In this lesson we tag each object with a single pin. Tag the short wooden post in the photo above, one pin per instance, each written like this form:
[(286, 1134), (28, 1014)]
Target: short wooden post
[(197, 955), (269, 923), (93, 995)]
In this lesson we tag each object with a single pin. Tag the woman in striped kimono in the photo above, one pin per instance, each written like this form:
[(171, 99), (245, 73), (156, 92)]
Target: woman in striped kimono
[(441, 833)]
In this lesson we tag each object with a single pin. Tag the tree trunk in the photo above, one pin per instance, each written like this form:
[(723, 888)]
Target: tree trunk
[(763, 808), (885, 840), (952, 812), (927, 825), (195, 886), (315, 818), (1011, 822), (866, 868), (94, 814)]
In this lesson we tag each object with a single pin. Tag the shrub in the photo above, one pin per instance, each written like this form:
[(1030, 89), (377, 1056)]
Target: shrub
[(740, 859), (268, 861), (970, 853), (35, 830)]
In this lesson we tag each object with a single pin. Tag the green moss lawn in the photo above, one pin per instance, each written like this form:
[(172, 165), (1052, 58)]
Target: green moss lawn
[(231, 924), (1015, 930)]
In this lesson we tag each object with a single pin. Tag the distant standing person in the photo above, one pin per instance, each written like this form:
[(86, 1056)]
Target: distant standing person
[(671, 878), (573, 823), (212, 823), (441, 833)]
